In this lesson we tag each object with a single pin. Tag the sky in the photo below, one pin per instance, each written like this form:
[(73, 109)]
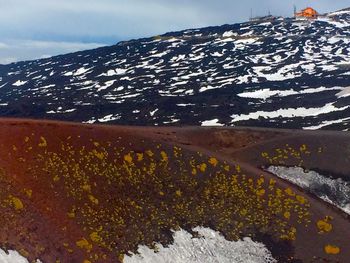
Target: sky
[(31, 29)]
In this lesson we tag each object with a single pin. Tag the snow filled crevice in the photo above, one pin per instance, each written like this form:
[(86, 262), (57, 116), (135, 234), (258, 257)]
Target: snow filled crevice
[(210, 247), (333, 191)]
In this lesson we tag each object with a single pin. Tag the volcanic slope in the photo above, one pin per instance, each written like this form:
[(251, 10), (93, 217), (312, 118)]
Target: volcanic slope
[(74, 192), (274, 72)]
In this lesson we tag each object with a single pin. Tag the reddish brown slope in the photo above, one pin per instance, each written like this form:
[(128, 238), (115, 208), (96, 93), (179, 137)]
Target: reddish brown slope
[(73, 192)]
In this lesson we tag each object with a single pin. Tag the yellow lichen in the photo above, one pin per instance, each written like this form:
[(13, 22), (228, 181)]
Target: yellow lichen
[(84, 244), (93, 199), (86, 187), (139, 157), (289, 192), (194, 171), (202, 167), (213, 161), (149, 153), (99, 155), (128, 158), (16, 202), (43, 142), (260, 192), (324, 225), (301, 199), (95, 237), (28, 192), (286, 215)]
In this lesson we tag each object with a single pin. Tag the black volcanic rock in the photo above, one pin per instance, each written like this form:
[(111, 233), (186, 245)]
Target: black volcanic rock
[(276, 72)]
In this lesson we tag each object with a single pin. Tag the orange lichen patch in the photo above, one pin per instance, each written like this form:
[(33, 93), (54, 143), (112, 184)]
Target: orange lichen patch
[(331, 249), (213, 161), (84, 244), (324, 225)]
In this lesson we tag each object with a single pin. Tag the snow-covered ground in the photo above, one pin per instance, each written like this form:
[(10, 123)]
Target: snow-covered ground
[(12, 257), (211, 247), (214, 122), (333, 191), (283, 73)]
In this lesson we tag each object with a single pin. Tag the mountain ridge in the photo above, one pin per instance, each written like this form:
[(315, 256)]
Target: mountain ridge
[(281, 73)]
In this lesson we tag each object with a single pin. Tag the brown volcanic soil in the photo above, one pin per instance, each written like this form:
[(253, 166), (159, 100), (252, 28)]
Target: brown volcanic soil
[(85, 193)]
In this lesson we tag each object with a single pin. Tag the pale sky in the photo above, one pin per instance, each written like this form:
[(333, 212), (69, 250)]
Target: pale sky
[(33, 29)]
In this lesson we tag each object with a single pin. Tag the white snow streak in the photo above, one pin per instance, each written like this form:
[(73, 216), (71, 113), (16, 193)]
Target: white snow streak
[(211, 247), (288, 113), (214, 122), (334, 191)]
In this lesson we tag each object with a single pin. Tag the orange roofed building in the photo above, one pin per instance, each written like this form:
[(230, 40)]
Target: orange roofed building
[(307, 13)]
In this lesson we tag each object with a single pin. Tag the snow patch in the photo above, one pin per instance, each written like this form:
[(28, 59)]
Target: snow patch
[(333, 191), (268, 93), (12, 257), (326, 123), (214, 122), (210, 247), (288, 113), (19, 83), (107, 118), (114, 72), (81, 71), (344, 93)]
